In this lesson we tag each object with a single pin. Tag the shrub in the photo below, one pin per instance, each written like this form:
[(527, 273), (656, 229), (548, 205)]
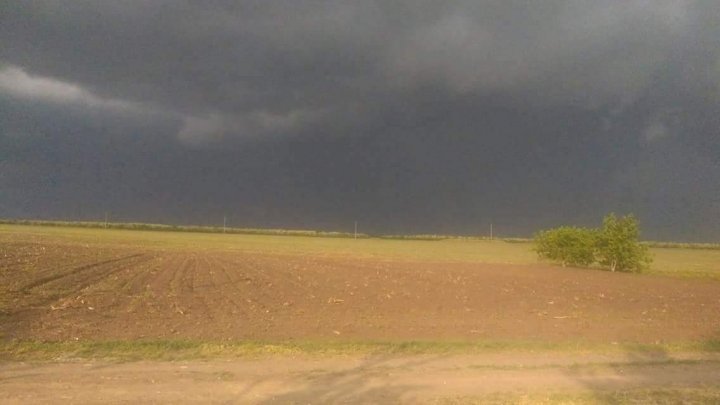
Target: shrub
[(568, 244), (618, 246), (615, 245)]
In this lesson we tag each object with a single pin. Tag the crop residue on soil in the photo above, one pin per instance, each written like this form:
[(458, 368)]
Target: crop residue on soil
[(69, 291)]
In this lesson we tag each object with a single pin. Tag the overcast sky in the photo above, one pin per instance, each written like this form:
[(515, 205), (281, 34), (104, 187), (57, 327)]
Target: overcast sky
[(407, 116)]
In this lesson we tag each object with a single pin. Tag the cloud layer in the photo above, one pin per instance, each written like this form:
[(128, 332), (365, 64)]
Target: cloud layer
[(415, 116)]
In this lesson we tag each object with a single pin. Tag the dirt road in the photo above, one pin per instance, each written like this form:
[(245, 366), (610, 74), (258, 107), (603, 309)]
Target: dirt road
[(355, 379)]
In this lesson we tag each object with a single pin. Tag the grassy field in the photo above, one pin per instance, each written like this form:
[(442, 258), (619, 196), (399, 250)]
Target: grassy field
[(681, 262), (440, 250)]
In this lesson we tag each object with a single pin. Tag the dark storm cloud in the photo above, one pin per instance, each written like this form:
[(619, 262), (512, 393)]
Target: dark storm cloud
[(418, 116)]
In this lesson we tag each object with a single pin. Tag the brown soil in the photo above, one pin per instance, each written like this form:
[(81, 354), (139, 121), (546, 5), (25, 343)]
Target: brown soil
[(59, 292), (503, 378)]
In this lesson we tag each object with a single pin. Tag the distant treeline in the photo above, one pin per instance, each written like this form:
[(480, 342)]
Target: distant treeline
[(291, 232), (432, 237), (181, 228), (452, 237), (681, 245), (247, 231)]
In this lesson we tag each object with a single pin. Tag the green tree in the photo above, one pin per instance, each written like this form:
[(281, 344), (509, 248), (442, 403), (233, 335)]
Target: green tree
[(568, 245), (618, 246)]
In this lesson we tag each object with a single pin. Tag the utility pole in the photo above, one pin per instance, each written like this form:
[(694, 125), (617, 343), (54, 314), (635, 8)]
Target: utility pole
[(106, 219), (491, 231), (355, 229), (224, 222)]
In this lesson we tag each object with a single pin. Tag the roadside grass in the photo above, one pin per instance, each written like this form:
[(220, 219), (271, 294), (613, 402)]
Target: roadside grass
[(173, 350), (684, 395)]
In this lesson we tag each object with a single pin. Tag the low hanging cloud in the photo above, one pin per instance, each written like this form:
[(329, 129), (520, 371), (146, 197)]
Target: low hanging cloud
[(237, 58), (213, 128), (194, 130), (16, 82)]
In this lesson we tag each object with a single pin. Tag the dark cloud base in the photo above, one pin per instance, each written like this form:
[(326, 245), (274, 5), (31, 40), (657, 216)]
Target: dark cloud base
[(56, 164), (410, 117)]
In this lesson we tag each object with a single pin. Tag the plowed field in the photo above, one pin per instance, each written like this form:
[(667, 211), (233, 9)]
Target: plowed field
[(63, 289)]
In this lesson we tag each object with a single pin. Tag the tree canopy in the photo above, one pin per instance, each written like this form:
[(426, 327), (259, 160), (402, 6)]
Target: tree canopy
[(615, 245)]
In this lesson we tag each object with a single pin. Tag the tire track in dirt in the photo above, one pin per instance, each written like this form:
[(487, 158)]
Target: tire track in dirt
[(214, 288), (166, 286), (76, 270), (192, 280), (136, 282), (131, 285), (173, 283), (149, 306), (113, 268), (116, 291), (34, 310), (256, 283), (53, 262), (215, 295), (67, 284)]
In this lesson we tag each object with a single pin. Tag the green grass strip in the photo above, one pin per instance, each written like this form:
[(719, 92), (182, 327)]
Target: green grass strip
[(24, 350)]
